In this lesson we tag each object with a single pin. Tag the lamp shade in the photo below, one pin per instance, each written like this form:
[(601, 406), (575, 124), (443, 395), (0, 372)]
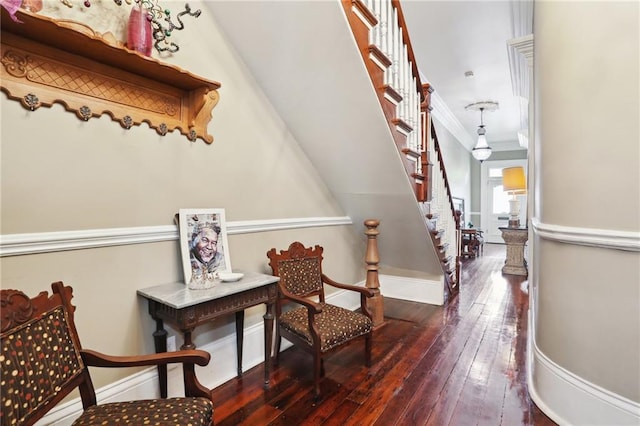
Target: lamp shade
[(513, 180)]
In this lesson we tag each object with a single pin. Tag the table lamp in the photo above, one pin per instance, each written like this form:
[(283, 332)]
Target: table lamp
[(513, 182)]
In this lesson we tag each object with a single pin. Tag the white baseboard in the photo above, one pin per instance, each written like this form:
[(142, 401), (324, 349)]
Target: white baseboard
[(412, 289), (221, 368), (568, 399)]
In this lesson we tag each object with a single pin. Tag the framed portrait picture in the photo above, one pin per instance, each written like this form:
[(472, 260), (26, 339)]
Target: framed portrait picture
[(203, 246)]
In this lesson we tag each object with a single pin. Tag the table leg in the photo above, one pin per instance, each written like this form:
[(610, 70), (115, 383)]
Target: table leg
[(187, 344), (239, 337), (268, 341), (160, 341)]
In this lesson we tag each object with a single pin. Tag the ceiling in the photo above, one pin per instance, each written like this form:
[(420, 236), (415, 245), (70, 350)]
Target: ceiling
[(450, 38)]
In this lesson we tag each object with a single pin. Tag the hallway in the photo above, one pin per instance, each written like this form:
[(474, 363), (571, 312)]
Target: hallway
[(462, 364)]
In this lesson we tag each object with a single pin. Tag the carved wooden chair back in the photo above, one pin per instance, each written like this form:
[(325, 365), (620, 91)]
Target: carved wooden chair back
[(300, 272), (42, 361)]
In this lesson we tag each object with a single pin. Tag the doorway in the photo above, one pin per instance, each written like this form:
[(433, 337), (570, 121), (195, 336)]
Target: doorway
[(495, 202)]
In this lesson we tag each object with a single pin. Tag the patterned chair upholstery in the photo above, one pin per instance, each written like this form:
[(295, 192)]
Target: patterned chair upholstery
[(42, 361), (317, 327)]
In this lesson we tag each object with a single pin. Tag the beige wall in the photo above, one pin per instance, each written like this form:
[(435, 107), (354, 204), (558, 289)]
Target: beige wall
[(62, 174), (587, 303)]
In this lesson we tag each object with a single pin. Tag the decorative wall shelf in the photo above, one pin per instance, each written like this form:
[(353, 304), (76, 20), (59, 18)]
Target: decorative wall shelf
[(46, 61)]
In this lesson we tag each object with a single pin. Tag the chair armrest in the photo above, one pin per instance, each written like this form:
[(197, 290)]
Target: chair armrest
[(362, 290), (312, 307), (188, 359), (97, 359)]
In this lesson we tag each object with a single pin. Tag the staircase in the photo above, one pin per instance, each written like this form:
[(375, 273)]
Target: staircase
[(446, 235), (384, 43), (368, 139)]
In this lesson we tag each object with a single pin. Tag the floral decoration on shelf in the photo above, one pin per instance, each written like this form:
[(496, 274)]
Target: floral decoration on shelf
[(149, 23)]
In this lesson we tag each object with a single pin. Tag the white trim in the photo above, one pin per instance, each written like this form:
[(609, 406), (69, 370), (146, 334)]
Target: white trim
[(391, 99), (222, 368), (46, 242), (364, 20), (524, 46), (530, 386), (520, 50), (604, 238), (403, 131), (375, 60), (569, 399), (412, 289)]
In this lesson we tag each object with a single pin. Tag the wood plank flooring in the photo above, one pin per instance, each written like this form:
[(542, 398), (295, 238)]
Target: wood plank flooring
[(460, 364)]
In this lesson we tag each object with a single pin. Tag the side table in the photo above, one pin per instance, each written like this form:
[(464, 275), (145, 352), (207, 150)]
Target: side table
[(472, 242), (515, 238), (186, 309)]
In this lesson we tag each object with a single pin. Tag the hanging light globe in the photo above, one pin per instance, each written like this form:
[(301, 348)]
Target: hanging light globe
[(482, 150)]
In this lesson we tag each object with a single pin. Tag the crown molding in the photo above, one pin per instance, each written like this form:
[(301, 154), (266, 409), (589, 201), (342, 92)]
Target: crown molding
[(520, 52), (520, 47), (524, 46), (521, 17)]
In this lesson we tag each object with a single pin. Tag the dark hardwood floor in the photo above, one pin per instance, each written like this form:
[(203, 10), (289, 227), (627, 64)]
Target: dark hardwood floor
[(460, 364)]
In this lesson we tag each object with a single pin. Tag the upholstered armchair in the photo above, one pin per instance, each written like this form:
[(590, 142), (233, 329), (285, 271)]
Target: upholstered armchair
[(312, 324), (42, 361)]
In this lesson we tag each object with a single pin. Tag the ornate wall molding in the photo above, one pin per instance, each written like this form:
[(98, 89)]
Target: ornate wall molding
[(604, 238), (47, 242)]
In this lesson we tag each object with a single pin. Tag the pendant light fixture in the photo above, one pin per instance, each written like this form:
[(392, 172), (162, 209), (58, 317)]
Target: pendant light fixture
[(482, 150)]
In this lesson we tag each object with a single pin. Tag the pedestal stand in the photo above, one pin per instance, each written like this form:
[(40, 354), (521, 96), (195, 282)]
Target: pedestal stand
[(515, 238)]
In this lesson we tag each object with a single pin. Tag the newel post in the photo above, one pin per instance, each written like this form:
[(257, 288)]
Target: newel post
[(375, 304)]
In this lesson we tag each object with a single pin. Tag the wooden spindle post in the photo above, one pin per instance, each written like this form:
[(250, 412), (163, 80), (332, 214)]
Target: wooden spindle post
[(375, 304)]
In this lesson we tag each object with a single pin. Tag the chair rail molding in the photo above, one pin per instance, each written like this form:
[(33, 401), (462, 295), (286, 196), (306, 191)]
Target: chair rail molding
[(603, 238), (47, 242)]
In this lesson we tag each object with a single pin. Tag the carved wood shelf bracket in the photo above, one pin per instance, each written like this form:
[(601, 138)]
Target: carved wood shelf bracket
[(45, 61)]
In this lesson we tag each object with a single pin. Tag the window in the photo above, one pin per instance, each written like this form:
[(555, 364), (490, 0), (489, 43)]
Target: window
[(500, 200), (495, 172)]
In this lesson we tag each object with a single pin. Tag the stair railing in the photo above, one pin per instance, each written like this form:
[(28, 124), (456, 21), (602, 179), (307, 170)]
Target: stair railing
[(382, 37), (445, 208)]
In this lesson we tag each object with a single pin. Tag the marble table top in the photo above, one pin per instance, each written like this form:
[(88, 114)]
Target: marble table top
[(179, 296)]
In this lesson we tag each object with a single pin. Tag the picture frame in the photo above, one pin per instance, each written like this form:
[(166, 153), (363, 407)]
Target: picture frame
[(204, 246)]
